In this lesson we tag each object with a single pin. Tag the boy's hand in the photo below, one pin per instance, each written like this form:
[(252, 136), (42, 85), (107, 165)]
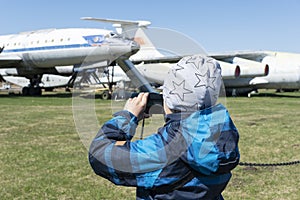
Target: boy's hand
[(137, 105)]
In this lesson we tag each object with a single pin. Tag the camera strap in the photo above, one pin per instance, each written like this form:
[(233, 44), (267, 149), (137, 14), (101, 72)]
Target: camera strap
[(142, 128)]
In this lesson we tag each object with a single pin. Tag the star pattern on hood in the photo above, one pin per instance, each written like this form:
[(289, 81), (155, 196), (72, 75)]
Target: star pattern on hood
[(177, 68), (191, 108), (215, 97), (205, 81), (195, 61), (180, 90)]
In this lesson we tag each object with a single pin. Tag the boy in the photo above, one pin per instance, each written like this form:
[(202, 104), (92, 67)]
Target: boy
[(190, 157)]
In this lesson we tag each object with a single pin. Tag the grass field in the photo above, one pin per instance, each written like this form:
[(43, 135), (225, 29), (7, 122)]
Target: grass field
[(42, 156)]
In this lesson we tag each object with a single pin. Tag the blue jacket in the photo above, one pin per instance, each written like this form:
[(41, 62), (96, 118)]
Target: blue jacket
[(190, 157)]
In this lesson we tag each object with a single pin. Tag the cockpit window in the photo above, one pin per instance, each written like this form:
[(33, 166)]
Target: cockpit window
[(94, 39), (112, 34)]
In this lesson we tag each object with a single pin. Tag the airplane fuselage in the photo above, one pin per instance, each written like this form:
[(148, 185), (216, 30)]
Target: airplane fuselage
[(59, 51), (34, 52)]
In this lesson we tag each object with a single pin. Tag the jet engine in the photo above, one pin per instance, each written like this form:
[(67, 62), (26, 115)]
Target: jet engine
[(250, 68), (229, 71)]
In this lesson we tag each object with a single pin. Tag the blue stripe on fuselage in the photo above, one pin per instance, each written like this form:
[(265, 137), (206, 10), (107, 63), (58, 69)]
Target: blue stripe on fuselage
[(92, 40), (47, 48)]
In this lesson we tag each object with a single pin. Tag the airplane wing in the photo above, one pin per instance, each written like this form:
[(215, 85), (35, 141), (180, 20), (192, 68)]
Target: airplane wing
[(165, 59), (225, 57), (251, 55), (9, 61), (235, 64), (249, 62)]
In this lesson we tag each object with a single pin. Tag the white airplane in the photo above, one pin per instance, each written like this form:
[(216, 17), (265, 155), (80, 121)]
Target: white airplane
[(48, 81), (60, 51), (283, 71), (242, 72), (105, 77), (154, 65)]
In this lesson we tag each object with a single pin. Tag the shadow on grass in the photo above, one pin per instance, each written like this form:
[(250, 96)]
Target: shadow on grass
[(51, 95), (278, 95), (47, 95)]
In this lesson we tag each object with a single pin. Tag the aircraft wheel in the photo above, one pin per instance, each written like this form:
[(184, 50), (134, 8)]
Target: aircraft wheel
[(35, 91), (49, 89), (105, 95), (39, 91), (25, 91)]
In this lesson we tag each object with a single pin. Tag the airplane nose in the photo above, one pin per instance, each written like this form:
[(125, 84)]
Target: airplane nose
[(135, 47)]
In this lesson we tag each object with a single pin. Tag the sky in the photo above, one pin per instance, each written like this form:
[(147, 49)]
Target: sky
[(218, 26)]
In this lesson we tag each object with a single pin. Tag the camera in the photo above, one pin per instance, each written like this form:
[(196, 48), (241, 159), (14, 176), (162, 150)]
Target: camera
[(154, 103)]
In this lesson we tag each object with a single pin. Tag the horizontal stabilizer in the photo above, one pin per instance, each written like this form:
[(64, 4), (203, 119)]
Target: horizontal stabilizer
[(126, 27), (116, 21)]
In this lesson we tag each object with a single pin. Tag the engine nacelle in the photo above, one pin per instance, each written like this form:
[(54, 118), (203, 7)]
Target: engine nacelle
[(64, 70), (10, 72), (229, 71), (155, 72), (250, 68)]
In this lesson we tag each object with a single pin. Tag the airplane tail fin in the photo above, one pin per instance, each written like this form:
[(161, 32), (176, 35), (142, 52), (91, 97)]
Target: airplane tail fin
[(135, 30)]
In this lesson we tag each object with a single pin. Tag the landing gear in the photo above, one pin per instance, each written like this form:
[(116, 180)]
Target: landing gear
[(252, 92), (33, 89), (105, 95)]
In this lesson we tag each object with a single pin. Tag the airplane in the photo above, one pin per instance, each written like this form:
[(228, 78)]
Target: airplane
[(60, 52), (240, 71), (153, 63), (105, 77), (283, 72), (243, 71), (48, 81)]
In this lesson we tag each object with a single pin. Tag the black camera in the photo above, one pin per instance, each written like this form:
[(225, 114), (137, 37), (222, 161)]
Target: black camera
[(154, 103)]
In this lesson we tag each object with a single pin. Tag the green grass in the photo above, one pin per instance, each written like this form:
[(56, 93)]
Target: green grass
[(42, 156), (269, 133)]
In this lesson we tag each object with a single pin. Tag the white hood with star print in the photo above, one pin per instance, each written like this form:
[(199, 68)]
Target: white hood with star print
[(192, 84)]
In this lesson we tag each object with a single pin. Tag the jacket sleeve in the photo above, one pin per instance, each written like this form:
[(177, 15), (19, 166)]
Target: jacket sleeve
[(137, 163)]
